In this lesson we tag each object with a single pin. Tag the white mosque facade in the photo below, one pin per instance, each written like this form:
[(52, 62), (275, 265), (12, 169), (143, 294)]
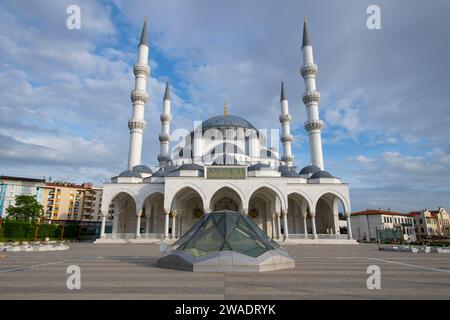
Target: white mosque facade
[(226, 163)]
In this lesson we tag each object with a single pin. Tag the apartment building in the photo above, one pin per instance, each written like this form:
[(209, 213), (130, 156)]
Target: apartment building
[(431, 224), (63, 200), (11, 187)]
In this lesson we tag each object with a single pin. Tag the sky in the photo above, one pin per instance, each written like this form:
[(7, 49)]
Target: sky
[(385, 94)]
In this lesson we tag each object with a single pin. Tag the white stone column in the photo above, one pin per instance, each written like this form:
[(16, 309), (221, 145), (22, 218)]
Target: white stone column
[(174, 219), (147, 223), (313, 224), (115, 225), (116, 217), (138, 223), (285, 222), (179, 226), (166, 224), (278, 226), (102, 230), (305, 226), (349, 226), (273, 227)]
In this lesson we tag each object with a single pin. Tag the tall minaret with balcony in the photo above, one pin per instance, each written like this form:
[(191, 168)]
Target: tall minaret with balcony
[(286, 137), (164, 137), (139, 98), (313, 125)]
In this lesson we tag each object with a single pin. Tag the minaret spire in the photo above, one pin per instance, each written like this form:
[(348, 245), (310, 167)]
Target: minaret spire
[(286, 137), (144, 34), (166, 119), (311, 98), (306, 41), (225, 109), (283, 95), (167, 92), (139, 99)]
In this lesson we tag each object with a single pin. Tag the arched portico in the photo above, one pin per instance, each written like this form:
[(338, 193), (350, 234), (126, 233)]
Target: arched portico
[(299, 214), (152, 223), (264, 207), (326, 212), (125, 217), (186, 208), (226, 198)]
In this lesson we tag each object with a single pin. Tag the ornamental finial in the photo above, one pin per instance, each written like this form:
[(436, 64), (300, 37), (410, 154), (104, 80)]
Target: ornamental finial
[(225, 109)]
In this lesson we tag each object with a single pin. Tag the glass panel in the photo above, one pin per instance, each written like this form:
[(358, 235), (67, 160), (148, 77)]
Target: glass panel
[(205, 243), (241, 243)]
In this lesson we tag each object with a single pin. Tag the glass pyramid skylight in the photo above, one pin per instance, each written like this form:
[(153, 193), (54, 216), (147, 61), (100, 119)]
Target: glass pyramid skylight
[(224, 231)]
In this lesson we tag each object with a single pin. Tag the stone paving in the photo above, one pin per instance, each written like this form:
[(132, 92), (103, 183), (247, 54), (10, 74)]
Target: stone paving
[(128, 271)]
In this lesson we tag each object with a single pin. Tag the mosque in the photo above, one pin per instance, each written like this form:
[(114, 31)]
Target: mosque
[(226, 164)]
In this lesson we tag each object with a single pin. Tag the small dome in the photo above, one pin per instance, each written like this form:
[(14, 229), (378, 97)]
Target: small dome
[(164, 171), (130, 173), (142, 169), (191, 166), (257, 166), (287, 171), (321, 174), (309, 169)]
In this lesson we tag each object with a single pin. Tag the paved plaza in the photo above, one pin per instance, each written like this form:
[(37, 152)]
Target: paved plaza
[(128, 271)]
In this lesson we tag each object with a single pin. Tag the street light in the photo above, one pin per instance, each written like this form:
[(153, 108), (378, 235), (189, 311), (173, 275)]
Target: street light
[(38, 220)]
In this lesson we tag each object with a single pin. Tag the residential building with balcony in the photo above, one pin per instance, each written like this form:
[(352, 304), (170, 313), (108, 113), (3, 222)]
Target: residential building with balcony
[(431, 224), (63, 200)]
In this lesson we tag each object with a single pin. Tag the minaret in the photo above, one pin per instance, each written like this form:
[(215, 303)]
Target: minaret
[(139, 98), (286, 137), (166, 119), (313, 125)]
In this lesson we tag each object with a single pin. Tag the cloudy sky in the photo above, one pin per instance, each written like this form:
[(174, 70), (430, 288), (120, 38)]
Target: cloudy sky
[(64, 94)]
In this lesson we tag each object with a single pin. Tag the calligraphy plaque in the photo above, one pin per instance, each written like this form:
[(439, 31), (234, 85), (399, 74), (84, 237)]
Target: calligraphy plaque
[(233, 173)]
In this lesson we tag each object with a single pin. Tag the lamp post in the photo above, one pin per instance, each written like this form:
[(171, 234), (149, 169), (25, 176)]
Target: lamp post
[(62, 231), (38, 220)]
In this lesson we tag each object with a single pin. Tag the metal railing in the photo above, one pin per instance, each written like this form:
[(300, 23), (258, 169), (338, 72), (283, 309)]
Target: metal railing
[(127, 236), (324, 236)]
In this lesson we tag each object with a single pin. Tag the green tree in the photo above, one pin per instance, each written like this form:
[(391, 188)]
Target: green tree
[(26, 208)]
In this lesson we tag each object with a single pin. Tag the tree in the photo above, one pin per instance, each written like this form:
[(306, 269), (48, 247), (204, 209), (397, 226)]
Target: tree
[(26, 208)]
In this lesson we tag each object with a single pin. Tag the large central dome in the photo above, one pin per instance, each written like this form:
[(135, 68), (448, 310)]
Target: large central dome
[(226, 121)]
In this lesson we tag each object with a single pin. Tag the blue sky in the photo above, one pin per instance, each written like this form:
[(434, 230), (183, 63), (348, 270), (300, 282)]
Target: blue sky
[(64, 94)]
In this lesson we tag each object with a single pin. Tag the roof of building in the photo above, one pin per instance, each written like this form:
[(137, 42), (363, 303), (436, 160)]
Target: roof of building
[(226, 121), (309, 169), (164, 171), (64, 184), (257, 166), (369, 212), (287, 171), (130, 173), (191, 166), (21, 179), (321, 174), (142, 169)]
